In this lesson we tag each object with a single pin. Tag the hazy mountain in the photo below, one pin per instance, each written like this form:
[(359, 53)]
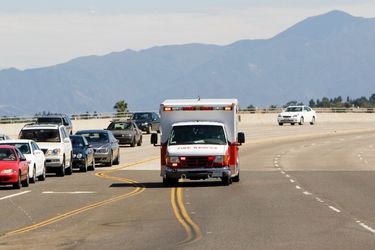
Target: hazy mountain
[(327, 55)]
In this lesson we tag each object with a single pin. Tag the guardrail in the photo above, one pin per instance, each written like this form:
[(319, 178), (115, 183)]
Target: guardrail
[(127, 115)]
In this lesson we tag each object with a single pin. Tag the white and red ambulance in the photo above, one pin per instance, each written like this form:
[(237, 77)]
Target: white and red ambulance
[(199, 140)]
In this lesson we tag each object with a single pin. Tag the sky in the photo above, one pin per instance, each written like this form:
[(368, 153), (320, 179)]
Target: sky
[(40, 33)]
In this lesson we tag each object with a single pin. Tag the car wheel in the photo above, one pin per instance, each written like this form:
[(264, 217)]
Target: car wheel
[(17, 185), (43, 176), (61, 171), (140, 141), (84, 166), (292, 124), (133, 143), (280, 123), (108, 164), (69, 171), (301, 121), (117, 160), (312, 121), (25, 183), (149, 130), (33, 178)]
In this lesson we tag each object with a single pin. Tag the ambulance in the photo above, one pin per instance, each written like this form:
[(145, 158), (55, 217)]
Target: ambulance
[(199, 140)]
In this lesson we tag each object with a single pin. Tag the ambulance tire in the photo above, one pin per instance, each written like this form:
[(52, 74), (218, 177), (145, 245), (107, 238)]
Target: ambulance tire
[(170, 182), (226, 181), (236, 178)]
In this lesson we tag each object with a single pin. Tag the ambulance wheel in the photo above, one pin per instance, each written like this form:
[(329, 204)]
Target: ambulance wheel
[(236, 178), (226, 181), (170, 181)]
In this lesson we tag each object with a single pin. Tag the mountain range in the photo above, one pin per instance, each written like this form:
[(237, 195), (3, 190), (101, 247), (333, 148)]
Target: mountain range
[(327, 55)]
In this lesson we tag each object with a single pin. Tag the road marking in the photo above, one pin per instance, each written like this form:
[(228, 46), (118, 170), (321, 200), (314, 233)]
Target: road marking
[(298, 187), (320, 200), (306, 193), (74, 192), (334, 209), (193, 232), (138, 189), (291, 180), (366, 227), (13, 195)]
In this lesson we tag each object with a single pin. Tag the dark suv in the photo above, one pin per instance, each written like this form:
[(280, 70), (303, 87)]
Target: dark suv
[(147, 121), (59, 119)]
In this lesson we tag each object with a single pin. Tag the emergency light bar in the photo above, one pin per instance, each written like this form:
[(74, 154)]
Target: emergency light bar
[(197, 108)]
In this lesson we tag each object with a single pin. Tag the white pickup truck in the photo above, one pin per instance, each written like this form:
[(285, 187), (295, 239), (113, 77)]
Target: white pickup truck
[(199, 140)]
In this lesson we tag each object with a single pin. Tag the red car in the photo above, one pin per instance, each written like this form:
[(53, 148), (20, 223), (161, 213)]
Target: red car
[(14, 169)]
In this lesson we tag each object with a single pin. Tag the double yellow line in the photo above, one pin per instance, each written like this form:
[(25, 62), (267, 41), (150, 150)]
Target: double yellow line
[(139, 188), (193, 232)]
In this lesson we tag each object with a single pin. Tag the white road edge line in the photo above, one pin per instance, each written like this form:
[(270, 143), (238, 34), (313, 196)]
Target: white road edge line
[(13, 195), (334, 209), (366, 227)]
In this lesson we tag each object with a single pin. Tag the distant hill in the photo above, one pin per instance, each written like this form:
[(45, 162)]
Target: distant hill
[(328, 55)]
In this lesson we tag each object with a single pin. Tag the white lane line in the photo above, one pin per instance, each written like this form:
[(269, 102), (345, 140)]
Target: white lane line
[(276, 165), (366, 227), (282, 172), (318, 199), (75, 192), (334, 209), (298, 187), (13, 195), (292, 181), (306, 193), (287, 176)]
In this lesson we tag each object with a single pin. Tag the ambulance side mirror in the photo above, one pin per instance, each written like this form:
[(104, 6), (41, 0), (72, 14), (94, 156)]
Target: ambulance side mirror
[(154, 139), (241, 137)]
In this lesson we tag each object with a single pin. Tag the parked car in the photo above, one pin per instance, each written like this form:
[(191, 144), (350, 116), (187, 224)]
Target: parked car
[(297, 114), (147, 121), (4, 137), (34, 156), (14, 169), (60, 119), (83, 153), (55, 143), (126, 132), (105, 145)]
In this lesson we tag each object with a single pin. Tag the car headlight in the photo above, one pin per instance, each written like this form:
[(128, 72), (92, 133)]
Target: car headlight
[(79, 155), (55, 151), (8, 171), (145, 124), (295, 115)]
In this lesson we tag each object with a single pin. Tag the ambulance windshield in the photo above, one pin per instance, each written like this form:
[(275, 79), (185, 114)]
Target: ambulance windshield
[(197, 134)]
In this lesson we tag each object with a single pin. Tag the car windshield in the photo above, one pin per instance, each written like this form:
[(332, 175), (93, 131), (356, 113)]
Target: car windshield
[(23, 147), (50, 120), (96, 137), (41, 135), (197, 134), (141, 116), (294, 109), (119, 126), (77, 142), (6, 154)]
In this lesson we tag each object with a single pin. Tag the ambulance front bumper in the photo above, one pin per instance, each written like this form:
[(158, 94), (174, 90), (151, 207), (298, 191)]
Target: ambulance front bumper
[(196, 173)]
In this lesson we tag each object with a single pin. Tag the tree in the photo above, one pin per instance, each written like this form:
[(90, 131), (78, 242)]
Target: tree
[(121, 106)]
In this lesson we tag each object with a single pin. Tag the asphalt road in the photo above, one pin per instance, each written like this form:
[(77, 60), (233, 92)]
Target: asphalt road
[(302, 187)]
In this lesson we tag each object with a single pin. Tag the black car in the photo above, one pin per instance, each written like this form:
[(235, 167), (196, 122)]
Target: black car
[(60, 119), (83, 153), (105, 145), (126, 132), (147, 121)]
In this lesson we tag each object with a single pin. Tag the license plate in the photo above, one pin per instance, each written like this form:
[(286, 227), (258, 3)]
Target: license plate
[(216, 174)]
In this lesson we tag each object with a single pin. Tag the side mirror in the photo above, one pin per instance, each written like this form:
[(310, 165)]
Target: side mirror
[(154, 138), (22, 159), (66, 140), (241, 137), (89, 145)]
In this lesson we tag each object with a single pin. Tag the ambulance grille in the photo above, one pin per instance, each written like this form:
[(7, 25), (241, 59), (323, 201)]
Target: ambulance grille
[(197, 161)]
